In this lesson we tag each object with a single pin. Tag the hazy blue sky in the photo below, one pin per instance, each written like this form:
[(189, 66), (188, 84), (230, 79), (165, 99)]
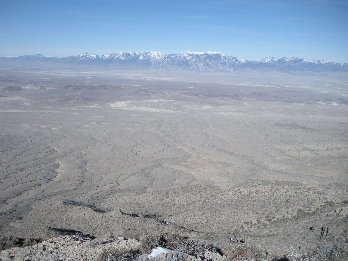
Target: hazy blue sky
[(312, 29)]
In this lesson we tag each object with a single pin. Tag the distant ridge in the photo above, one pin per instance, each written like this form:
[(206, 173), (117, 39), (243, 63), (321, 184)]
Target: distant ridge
[(195, 61)]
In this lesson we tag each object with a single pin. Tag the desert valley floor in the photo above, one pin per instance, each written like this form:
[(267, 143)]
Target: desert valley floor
[(258, 159)]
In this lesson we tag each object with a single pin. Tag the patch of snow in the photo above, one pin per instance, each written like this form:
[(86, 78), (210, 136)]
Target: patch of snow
[(242, 60), (188, 52), (214, 52), (88, 56), (156, 55), (268, 59), (161, 250)]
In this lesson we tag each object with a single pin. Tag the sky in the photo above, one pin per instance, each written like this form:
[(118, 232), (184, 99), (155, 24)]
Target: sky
[(251, 29)]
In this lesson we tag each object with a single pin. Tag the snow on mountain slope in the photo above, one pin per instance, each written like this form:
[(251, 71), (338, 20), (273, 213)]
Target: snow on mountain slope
[(197, 61)]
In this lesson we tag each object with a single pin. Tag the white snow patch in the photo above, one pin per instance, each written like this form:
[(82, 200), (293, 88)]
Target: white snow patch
[(161, 250), (268, 59), (188, 52)]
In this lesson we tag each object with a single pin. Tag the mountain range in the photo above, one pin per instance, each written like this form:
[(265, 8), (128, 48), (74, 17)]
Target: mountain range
[(196, 61)]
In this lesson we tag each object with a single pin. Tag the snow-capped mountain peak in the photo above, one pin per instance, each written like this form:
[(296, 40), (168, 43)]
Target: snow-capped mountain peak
[(268, 59), (189, 60), (88, 56)]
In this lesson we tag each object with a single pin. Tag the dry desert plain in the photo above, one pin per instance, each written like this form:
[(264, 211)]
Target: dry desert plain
[(242, 160)]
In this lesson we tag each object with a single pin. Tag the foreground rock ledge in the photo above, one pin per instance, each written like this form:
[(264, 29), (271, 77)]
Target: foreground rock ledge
[(82, 248), (77, 247)]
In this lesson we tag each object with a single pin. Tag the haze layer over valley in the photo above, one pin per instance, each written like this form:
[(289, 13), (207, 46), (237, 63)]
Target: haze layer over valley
[(241, 159)]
